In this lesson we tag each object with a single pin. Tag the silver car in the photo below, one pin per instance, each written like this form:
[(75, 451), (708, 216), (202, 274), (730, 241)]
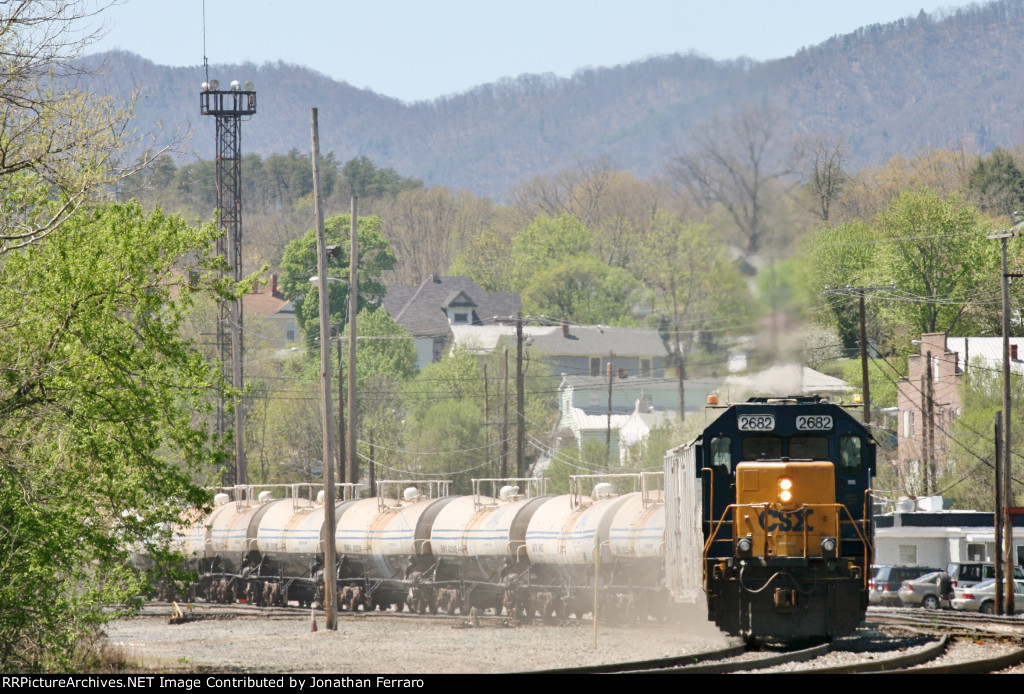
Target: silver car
[(981, 597), (930, 591)]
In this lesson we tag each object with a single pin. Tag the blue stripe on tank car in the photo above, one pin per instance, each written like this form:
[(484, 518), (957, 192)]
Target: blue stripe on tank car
[(554, 535), (472, 537)]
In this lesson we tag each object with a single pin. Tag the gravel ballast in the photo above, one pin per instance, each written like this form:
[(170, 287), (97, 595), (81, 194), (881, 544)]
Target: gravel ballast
[(395, 644)]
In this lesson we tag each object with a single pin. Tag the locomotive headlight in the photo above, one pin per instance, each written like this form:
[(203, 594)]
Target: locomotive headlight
[(785, 490), (744, 546), (829, 547)]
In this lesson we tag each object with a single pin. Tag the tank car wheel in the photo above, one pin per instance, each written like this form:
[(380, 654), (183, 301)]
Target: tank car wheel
[(987, 607), (930, 602)]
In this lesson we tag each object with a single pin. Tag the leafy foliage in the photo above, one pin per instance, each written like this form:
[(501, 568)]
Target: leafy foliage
[(996, 183), (969, 475), (98, 434), (299, 264)]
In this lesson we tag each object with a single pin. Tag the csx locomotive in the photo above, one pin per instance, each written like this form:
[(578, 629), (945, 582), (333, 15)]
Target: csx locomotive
[(780, 492)]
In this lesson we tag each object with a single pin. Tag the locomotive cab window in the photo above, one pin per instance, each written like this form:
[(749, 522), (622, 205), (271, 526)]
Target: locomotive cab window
[(809, 447), (850, 454), (721, 455), (762, 448)]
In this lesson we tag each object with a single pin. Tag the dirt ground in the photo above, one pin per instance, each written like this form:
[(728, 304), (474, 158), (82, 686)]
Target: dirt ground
[(399, 644)]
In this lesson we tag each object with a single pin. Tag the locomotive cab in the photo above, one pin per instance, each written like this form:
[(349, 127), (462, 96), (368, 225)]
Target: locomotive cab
[(785, 498)]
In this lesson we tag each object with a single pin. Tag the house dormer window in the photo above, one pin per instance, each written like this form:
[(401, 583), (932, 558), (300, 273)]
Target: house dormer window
[(460, 317)]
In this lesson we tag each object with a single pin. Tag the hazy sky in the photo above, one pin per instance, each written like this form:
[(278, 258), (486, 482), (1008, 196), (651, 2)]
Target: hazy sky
[(415, 50)]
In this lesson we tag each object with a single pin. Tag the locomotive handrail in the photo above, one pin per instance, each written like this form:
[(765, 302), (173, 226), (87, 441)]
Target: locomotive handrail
[(858, 526), (646, 493)]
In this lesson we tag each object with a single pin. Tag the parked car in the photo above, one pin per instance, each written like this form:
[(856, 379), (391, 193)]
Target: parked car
[(981, 597), (929, 591), (884, 586), (965, 574)]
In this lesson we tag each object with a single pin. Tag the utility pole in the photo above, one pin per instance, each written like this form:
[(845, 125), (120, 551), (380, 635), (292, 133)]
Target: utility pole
[(330, 560), (353, 295), (927, 434), (864, 361), (504, 424), (229, 107), (608, 428), (1005, 459), (487, 427), (520, 401), (860, 292), (1000, 603), (342, 476)]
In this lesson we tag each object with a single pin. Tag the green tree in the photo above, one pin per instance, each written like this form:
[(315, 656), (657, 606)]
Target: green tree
[(996, 183), (58, 141), (584, 290), (934, 250), (444, 420), (692, 281), (838, 256), (99, 435), (299, 264), (363, 179), (485, 260), (546, 242), (384, 348), (969, 475)]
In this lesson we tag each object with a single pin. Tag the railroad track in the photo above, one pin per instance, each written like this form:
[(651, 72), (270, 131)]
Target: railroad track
[(183, 612), (893, 641), (903, 650)]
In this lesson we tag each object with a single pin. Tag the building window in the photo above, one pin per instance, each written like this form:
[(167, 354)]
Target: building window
[(595, 366), (645, 367), (460, 318), (908, 555), (975, 551), (908, 423), (289, 331)]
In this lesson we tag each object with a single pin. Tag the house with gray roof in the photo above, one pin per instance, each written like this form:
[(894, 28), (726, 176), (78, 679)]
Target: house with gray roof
[(637, 405), (430, 310), (584, 350)]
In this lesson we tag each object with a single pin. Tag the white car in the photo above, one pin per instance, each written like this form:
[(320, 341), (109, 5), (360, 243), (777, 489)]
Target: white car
[(981, 597)]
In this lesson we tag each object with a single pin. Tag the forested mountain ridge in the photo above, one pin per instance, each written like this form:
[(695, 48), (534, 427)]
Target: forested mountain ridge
[(942, 81)]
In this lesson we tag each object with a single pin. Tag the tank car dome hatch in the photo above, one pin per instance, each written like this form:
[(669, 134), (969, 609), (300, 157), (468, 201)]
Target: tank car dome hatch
[(265, 496), (603, 491), (411, 494), (508, 492), (320, 497), (221, 499)]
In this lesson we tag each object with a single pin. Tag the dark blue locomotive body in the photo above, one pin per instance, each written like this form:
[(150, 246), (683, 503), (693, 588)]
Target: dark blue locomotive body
[(783, 488)]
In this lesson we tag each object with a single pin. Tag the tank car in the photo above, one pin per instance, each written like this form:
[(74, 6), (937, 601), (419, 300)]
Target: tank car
[(581, 545), (479, 542), (783, 497), (510, 546)]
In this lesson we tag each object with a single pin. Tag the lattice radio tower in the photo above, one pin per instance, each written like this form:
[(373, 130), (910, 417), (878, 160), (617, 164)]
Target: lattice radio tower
[(229, 108)]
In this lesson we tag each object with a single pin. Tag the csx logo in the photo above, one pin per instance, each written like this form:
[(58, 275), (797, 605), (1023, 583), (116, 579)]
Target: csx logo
[(785, 521)]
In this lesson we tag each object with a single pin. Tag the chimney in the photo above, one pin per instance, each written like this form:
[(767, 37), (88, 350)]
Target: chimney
[(565, 327), (273, 285), (1013, 352)]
